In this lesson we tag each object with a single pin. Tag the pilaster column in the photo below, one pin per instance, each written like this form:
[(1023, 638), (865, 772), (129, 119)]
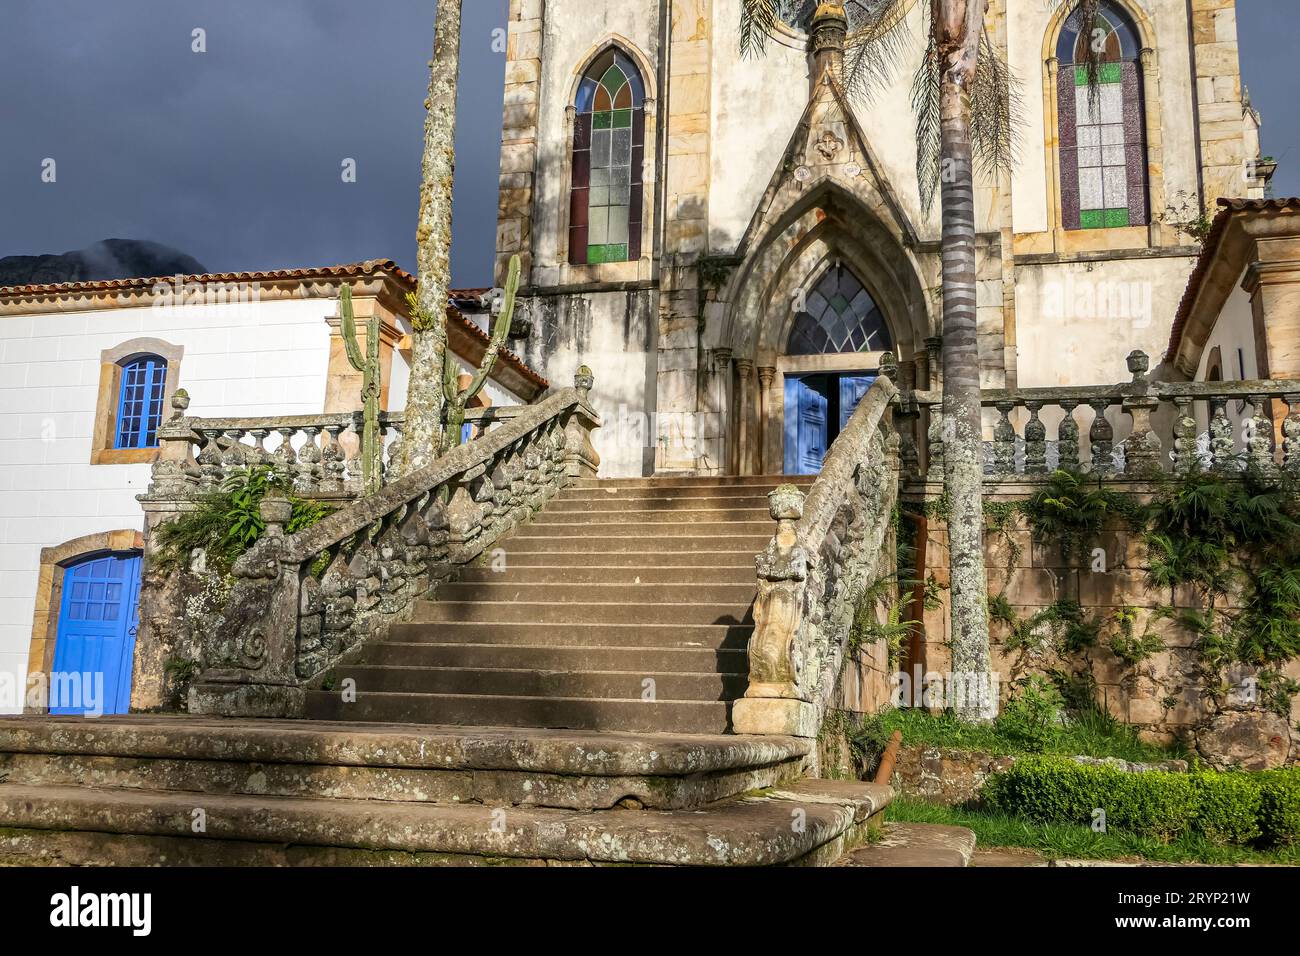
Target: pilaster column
[(1220, 131), (519, 137), (722, 406), (745, 455), (687, 111), (1150, 66), (766, 375)]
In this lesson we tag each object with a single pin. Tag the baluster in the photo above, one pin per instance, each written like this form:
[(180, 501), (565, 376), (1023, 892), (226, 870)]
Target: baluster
[(284, 457), (907, 417), (1067, 438), (354, 481), (234, 458), (309, 461), (1220, 435), (257, 453), (934, 439), (1035, 441), (210, 458), (332, 460), (1185, 456), (1101, 436), (1259, 449), (393, 467), (1291, 435), (1004, 442)]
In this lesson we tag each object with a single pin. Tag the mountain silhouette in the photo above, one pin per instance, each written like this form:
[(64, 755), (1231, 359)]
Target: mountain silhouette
[(110, 259)]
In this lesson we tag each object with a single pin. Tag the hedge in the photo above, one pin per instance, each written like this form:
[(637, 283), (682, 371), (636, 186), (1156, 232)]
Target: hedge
[(1226, 808)]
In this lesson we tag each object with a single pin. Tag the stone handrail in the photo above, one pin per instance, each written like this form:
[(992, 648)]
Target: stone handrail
[(301, 601), (827, 548), (319, 453), (1171, 427)]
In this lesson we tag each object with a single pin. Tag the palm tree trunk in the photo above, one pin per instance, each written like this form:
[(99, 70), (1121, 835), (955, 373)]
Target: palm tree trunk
[(422, 436), (963, 433)]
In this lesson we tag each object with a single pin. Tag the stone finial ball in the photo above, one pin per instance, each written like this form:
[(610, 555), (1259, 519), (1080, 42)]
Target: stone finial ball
[(785, 503)]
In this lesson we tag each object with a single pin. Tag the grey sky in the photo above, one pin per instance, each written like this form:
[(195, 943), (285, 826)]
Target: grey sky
[(234, 155)]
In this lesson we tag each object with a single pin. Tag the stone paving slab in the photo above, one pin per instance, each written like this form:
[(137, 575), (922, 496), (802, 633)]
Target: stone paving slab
[(916, 845)]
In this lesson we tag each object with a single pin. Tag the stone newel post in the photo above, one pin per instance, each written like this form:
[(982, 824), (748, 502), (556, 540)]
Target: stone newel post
[(772, 704), (1142, 449)]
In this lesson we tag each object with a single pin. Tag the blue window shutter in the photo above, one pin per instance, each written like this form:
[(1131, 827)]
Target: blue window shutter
[(140, 402)]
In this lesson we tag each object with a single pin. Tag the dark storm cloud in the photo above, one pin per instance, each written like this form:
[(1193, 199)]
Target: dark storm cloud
[(233, 156)]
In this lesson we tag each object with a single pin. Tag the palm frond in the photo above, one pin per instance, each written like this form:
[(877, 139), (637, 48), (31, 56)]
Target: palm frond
[(876, 48), (997, 109), (925, 106), (757, 21), (1087, 12)]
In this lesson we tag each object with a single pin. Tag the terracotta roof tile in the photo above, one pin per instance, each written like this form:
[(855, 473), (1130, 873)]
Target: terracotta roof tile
[(368, 268)]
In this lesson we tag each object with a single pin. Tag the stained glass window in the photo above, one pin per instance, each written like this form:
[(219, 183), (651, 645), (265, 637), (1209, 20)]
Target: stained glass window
[(608, 154), (839, 316), (140, 403), (1103, 130)]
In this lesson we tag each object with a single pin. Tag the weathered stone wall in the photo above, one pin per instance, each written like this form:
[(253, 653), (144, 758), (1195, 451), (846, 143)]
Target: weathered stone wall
[(1165, 695)]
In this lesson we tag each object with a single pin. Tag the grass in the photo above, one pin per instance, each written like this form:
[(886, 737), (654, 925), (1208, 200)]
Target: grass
[(1077, 842), (1088, 735)]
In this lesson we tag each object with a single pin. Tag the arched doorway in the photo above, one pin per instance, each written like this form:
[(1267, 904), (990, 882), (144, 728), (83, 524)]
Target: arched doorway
[(95, 638), (831, 358)]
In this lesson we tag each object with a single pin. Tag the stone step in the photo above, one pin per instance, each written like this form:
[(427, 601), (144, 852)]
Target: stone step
[(544, 526), (569, 713), (398, 763), (603, 517), (531, 682), (737, 597), (516, 555), (84, 826), (915, 844), (599, 503), (551, 541), (570, 612), (612, 574), (718, 481), (684, 660), (710, 636)]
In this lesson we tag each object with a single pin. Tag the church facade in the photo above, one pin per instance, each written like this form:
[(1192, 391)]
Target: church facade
[(732, 243)]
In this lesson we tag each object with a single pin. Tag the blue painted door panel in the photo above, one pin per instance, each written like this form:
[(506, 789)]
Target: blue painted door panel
[(806, 426), (852, 388), (96, 636)]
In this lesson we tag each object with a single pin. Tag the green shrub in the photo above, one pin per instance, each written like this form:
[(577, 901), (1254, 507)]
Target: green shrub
[(1033, 718), (1051, 789), (1280, 806), (1228, 807), (1224, 808), (1155, 804)]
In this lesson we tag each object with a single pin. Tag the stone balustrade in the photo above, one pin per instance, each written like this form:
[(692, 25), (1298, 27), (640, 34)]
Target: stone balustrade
[(1134, 430), (300, 602), (829, 547), (319, 454)]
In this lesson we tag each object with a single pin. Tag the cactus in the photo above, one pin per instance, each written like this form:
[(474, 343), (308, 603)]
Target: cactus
[(456, 398), (371, 450)]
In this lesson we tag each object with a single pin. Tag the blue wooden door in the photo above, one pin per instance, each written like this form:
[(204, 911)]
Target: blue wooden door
[(96, 636), (806, 426), (852, 388)]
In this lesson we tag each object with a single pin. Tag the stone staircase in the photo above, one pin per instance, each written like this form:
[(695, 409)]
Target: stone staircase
[(626, 604), (566, 703)]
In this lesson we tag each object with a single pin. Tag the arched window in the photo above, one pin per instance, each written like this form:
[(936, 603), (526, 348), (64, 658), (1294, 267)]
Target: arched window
[(1103, 130), (140, 403), (839, 316), (608, 154)]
